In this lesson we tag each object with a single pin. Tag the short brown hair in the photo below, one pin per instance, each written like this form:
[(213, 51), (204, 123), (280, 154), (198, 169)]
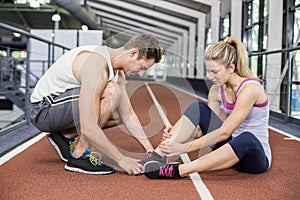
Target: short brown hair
[(147, 45)]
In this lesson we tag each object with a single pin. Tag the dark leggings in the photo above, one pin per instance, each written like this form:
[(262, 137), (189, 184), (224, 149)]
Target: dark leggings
[(246, 146)]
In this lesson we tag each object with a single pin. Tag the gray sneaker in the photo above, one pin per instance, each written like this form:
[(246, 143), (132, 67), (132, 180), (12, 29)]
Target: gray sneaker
[(153, 156)]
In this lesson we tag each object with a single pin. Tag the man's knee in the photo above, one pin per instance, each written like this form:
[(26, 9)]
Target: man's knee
[(111, 90), (111, 95)]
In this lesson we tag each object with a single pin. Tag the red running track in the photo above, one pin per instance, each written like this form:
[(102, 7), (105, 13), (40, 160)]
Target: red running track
[(38, 173)]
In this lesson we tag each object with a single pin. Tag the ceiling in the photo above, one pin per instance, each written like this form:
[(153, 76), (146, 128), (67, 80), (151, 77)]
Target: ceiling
[(119, 20)]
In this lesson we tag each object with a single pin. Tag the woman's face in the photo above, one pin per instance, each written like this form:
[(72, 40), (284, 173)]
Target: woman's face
[(218, 73)]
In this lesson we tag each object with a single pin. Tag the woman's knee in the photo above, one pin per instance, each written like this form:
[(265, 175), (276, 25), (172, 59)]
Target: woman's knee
[(193, 111), (245, 143), (196, 105)]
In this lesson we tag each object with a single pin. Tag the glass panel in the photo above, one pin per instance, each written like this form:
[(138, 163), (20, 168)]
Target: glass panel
[(3, 53), (254, 42), (255, 11), (296, 26), (296, 67), (295, 94), (266, 8), (253, 65), (226, 26), (208, 36), (249, 14), (265, 42), (265, 25), (19, 54), (264, 64), (295, 103)]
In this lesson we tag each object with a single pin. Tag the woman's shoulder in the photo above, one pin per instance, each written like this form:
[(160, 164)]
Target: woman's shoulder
[(214, 92), (254, 90)]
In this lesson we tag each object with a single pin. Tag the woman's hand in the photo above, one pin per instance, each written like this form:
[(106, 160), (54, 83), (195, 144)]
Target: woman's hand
[(172, 148), (166, 133)]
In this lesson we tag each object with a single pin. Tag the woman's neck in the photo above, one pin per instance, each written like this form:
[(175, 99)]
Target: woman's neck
[(234, 82)]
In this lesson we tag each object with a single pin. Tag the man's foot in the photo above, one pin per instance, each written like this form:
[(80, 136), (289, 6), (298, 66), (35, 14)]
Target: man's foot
[(88, 164), (156, 170), (153, 156), (61, 144)]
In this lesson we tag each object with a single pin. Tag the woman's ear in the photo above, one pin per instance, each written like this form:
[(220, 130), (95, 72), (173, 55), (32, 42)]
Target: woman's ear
[(232, 67)]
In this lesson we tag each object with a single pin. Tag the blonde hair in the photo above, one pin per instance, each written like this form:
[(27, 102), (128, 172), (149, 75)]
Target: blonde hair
[(231, 52), (147, 45)]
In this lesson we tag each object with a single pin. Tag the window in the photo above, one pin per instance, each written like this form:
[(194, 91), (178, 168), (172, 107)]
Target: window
[(255, 24), (295, 69), (225, 27)]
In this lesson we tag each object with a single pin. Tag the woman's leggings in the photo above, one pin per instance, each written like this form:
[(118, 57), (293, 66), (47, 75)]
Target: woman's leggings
[(248, 149)]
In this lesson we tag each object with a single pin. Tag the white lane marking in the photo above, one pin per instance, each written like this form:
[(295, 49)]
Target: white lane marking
[(195, 177), (159, 109), (289, 136), (21, 148)]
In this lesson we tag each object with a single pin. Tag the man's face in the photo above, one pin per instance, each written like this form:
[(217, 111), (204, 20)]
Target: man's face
[(137, 66)]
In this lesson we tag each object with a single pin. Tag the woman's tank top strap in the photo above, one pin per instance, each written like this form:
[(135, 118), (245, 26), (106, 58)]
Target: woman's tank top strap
[(247, 80), (251, 80), (227, 105)]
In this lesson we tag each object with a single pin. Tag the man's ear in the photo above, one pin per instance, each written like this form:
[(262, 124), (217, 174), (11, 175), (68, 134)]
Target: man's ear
[(134, 52)]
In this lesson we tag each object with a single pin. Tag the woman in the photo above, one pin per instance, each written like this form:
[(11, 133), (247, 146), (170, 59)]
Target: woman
[(240, 140)]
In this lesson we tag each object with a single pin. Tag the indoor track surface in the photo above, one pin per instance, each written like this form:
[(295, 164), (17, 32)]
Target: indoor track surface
[(38, 173)]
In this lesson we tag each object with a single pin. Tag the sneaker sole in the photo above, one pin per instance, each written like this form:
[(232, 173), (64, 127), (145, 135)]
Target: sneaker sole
[(144, 167), (74, 169), (57, 149)]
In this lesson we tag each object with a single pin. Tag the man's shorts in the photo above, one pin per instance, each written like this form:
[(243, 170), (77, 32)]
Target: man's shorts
[(56, 113)]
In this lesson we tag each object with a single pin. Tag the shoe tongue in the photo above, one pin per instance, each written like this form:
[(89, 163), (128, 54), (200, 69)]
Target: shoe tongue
[(86, 152), (156, 154)]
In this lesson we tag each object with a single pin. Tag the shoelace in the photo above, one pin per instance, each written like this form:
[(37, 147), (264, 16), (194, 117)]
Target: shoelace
[(166, 171), (94, 161), (148, 155), (72, 144)]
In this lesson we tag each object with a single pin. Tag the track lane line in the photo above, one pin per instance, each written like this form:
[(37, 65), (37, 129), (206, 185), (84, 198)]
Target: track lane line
[(21, 148), (289, 136), (195, 177)]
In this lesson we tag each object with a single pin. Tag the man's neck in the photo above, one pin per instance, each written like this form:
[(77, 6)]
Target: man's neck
[(116, 56)]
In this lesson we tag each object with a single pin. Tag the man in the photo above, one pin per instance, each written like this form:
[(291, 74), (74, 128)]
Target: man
[(83, 90)]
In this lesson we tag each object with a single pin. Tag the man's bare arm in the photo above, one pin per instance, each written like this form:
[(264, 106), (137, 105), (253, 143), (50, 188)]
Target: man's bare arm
[(93, 79)]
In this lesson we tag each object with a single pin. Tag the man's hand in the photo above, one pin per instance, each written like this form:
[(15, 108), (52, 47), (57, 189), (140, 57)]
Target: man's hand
[(130, 165)]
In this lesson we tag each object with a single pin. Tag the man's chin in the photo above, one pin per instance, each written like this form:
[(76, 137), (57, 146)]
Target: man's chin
[(127, 73), (131, 74)]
